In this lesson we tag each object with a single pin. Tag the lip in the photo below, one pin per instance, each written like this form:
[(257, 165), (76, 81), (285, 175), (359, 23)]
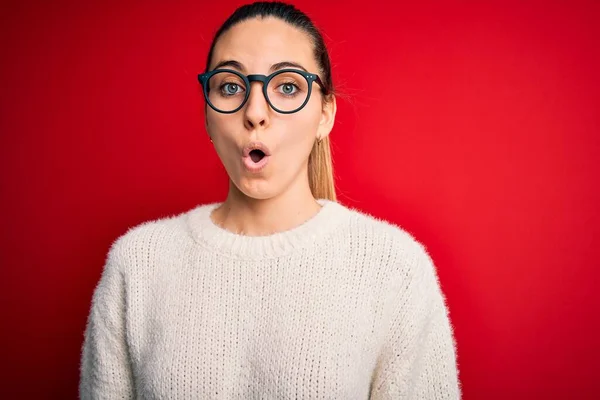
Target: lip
[(255, 146), (250, 165)]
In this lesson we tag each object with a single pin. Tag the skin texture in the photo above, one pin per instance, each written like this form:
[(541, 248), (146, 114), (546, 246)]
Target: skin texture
[(277, 198)]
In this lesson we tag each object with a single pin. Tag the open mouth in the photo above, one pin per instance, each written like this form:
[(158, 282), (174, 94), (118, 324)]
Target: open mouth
[(256, 155)]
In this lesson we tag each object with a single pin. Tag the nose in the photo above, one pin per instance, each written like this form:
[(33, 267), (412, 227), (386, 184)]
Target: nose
[(256, 113)]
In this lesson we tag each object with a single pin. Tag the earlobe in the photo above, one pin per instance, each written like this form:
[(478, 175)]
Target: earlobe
[(205, 118), (327, 118), (206, 126)]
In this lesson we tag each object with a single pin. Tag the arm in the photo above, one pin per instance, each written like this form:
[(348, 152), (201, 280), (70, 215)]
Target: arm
[(418, 360), (105, 365)]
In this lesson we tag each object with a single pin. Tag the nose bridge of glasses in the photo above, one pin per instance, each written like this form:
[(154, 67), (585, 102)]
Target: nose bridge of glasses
[(258, 78), (261, 88)]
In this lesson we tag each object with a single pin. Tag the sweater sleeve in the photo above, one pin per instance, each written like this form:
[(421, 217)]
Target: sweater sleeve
[(105, 369), (418, 359)]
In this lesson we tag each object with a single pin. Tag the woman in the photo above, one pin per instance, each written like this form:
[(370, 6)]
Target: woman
[(279, 292)]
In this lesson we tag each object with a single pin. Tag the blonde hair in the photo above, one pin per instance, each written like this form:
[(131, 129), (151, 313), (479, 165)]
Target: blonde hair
[(320, 170)]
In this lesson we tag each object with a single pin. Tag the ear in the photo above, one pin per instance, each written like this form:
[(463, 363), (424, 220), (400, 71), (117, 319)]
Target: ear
[(206, 122), (327, 118)]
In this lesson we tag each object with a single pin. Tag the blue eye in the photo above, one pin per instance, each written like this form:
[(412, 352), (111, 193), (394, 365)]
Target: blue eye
[(229, 89), (288, 89)]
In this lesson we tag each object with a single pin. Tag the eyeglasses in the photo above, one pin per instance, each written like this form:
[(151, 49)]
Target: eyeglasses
[(287, 91)]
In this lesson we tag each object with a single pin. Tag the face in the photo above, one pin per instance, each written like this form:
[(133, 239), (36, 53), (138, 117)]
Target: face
[(257, 45)]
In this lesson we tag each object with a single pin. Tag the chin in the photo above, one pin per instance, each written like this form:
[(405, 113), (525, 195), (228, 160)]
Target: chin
[(255, 187)]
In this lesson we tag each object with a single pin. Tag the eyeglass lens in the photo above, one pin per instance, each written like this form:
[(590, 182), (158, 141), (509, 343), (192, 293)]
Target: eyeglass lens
[(286, 91)]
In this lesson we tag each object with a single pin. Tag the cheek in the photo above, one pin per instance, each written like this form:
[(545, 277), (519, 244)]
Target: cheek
[(304, 125), (298, 133), (222, 128), (215, 124)]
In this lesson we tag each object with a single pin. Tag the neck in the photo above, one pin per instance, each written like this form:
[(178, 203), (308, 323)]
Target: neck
[(259, 217)]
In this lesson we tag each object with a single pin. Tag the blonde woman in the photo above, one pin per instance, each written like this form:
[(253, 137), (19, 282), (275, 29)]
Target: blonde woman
[(278, 292)]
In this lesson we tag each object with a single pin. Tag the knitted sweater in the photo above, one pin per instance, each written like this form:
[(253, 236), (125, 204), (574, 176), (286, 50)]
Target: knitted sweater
[(343, 306)]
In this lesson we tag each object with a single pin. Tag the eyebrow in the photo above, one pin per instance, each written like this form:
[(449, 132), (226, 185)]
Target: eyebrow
[(240, 67)]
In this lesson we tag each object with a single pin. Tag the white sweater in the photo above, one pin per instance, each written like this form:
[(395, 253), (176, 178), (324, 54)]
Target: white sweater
[(344, 306)]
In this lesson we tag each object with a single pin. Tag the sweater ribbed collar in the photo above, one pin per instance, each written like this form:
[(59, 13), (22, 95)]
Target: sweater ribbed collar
[(227, 243)]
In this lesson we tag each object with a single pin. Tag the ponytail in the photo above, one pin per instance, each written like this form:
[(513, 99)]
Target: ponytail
[(320, 171)]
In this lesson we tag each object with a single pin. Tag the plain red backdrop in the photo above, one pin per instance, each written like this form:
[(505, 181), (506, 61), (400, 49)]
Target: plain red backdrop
[(473, 126)]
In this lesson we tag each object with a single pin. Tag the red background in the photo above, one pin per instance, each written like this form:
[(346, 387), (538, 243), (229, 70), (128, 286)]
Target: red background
[(474, 126)]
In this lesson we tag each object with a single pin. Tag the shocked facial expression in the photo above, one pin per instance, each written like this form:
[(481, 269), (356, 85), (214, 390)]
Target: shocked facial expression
[(264, 151)]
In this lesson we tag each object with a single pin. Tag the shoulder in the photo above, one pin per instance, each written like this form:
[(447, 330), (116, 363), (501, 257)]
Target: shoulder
[(150, 239), (406, 252), (409, 265), (384, 230)]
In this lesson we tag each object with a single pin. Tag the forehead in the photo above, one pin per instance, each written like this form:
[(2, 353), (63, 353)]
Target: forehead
[(259, 43)]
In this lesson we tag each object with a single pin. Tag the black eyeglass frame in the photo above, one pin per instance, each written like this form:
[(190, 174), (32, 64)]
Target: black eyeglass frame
[(265, 79)]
